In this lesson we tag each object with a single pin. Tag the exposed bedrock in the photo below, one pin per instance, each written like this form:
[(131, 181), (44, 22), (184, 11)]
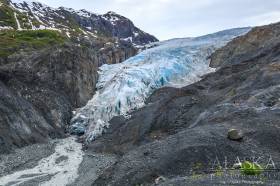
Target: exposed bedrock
[(39, 90)]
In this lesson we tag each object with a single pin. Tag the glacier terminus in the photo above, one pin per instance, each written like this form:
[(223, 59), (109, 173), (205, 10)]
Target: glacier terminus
[(124, 87)]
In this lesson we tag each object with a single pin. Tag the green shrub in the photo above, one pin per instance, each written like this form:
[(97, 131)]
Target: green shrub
[(23, 20), (7, 16), (249, 168), (11, 41)]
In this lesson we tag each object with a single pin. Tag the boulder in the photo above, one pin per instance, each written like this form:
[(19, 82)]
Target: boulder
[(234, 134)]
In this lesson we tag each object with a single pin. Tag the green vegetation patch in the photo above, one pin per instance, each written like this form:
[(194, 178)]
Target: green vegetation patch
[(11, 40), (249, 168), (6, 15), (24, 22), (35, 23)]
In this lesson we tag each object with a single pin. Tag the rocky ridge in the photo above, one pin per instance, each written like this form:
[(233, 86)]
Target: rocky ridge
[(23, 14)]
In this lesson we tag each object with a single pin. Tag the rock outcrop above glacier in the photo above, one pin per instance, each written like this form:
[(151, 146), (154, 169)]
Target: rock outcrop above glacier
[(181, 131)]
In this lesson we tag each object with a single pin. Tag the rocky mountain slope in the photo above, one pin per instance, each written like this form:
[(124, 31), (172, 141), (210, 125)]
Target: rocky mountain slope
[(22, 14), (48, 65), (176, 138)]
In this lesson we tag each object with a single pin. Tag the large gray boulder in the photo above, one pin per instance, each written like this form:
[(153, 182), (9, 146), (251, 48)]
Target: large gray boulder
[(234, 134)]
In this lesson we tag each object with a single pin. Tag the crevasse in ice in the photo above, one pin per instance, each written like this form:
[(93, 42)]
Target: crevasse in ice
[(124, 87)]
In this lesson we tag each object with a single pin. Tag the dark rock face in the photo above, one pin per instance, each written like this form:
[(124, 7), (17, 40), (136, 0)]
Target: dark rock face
[(113, 25), (124, 28), (181, 128), (39, 89), (259, 42), (21, 123)]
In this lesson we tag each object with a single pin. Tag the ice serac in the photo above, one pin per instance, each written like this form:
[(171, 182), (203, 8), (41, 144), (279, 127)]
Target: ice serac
[(124, 87)]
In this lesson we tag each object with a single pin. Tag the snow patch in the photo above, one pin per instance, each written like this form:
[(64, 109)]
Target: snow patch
[(18, 24), (112, 17), (84, 32), (68, 34), (83, 13), (92, 34), (127, 39), (6, 28)]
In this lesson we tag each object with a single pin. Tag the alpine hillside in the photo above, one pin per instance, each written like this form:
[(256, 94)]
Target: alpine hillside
[(26, 15)]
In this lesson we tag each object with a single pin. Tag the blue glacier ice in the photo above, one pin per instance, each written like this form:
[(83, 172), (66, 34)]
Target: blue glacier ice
[(124, 87)]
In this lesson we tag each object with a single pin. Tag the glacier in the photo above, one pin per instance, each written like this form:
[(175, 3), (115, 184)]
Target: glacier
[(123, 87)]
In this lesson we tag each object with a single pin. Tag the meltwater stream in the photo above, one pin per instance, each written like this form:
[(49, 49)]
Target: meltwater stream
[(61, 172), (124, 87)]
